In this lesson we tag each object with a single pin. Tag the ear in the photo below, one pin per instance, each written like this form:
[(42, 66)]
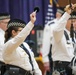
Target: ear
[(13, 33)]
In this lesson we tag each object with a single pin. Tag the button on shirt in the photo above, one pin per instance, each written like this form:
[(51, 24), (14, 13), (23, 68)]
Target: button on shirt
[(13, 54)]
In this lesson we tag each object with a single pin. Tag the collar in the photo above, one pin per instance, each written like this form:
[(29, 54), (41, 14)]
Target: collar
[(2, 31)]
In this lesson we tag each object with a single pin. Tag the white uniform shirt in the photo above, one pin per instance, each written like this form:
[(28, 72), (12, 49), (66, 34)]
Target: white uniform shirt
[(15, 55), (46, 42), (2, 33), (54, 34), (60, 49)]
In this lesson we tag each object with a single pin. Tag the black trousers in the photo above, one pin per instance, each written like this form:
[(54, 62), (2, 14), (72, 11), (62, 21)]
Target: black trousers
[(62, 67), (2, 68)]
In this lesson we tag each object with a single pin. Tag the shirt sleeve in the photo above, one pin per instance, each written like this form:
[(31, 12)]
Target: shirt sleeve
[(13, 43), (58, 30)]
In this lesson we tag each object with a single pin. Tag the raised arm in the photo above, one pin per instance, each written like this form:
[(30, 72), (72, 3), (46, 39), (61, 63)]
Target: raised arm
[(58, 30), (17, 40)]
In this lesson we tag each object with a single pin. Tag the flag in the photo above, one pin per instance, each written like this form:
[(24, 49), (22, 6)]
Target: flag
[(49, 15)]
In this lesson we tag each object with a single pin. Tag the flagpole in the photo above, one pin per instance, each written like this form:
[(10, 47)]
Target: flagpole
[(56, 3)]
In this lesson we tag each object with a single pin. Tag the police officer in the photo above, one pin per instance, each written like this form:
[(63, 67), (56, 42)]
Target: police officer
[(62, 49), (46, 43), (17, 54), (4, 18)]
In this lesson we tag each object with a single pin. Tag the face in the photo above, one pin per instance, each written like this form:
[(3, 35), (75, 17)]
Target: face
[(74, 24), (14, 33), (3, 24), (58, 15)]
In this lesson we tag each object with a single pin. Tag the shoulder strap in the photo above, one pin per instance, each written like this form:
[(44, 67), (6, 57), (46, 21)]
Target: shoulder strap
[(51, 23), (50, 54), (66, 35), (26, 50)]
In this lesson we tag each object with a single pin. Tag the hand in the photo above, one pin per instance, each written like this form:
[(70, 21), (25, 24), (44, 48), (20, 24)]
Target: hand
[(47, 66), (33, 17), (69, 9)]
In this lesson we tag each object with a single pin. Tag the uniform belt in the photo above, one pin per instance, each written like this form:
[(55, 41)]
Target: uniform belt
[(2, 62), (17, 69), (60, 63)]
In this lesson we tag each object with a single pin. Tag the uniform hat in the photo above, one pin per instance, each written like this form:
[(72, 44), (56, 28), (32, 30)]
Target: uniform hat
[(4, 16), (60, 10), (16, 23), (73, 15)]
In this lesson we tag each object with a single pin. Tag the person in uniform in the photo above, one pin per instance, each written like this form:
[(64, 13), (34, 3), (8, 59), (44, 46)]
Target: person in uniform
[(17, 54), (4, 18), (46, 43), (62, 48)]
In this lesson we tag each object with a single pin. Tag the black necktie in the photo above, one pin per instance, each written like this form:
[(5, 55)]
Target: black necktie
[(26, 50)]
